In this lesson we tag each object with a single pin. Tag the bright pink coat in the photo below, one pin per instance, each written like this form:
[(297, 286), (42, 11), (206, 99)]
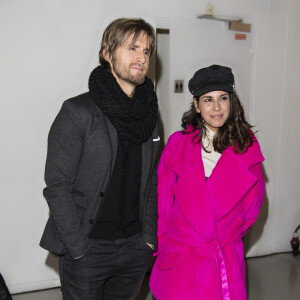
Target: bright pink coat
[(201, 223)]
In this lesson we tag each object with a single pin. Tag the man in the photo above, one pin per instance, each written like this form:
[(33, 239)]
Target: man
[(100, 175)]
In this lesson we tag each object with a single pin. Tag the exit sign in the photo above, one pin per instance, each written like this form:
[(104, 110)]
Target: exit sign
[(240, 36)]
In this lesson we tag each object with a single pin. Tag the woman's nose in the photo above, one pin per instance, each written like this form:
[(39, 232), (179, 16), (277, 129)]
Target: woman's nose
[(216, 105)]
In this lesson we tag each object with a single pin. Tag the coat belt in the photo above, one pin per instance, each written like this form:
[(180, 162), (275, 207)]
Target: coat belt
[(216, 247)]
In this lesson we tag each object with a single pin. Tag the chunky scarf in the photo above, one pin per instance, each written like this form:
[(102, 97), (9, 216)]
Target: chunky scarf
[(134, 118)]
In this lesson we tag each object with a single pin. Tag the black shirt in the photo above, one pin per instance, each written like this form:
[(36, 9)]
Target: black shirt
[(118, 217)]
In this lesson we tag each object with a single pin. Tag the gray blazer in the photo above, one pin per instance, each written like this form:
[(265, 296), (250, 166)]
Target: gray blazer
[(82, 147)]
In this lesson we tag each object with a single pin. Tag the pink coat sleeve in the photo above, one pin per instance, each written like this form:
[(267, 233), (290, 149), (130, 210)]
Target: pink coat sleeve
[(252, 207)]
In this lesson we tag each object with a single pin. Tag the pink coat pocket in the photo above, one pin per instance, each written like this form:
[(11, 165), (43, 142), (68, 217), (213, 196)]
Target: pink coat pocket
[(168, 260)]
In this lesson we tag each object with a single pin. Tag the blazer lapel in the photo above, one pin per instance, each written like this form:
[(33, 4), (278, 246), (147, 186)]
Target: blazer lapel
[(113, 135), (149, 156), (147, 151)]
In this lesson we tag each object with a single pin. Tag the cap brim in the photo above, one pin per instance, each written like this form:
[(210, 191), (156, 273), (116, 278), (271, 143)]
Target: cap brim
[(217, 87)]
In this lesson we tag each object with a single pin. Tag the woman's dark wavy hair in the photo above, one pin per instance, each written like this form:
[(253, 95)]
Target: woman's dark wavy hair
[(236, 131)]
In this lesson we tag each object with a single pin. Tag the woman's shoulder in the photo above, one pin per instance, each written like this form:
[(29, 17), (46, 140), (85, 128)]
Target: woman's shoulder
[(176, 136), (253, 153), (172, 145), (187, 137), (255, 145)]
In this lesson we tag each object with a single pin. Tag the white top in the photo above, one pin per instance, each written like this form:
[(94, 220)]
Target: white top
[(209, 159)]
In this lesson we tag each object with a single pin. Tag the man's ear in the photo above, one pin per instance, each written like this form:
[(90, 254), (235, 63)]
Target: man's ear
[(106, 55)]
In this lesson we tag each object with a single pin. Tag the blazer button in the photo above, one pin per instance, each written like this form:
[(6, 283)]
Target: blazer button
[(101, 194), (92, 221), (61, 240)]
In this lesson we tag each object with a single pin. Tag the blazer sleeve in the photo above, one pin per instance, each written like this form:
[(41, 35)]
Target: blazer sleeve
[(150, 228), (65, 142)]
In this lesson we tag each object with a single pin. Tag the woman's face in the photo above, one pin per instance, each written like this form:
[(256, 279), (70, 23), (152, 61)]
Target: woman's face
[(214, 108)]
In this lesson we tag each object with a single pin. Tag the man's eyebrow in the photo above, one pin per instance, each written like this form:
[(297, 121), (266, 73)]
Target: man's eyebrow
[(137, 46), (134, 44)]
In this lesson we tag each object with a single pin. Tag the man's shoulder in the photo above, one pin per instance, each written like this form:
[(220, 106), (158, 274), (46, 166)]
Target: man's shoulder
[(83, 104), (80, 101)]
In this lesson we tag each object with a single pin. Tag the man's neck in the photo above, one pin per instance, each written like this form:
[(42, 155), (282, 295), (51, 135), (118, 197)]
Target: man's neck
[(127, 87)]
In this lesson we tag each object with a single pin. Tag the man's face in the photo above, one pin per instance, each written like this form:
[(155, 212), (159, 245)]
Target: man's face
[(130, 63)]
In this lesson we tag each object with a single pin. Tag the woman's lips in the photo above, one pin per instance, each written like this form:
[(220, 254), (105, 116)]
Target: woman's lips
[(216, 116)]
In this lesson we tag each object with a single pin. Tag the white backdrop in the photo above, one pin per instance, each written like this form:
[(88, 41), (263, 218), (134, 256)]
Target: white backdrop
[(48, 49)]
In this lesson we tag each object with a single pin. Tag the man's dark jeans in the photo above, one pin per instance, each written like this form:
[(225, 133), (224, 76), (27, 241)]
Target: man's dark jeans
[(110, 270)]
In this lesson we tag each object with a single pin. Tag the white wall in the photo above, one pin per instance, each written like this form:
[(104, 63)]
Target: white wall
[(48, 49), (203, 43)]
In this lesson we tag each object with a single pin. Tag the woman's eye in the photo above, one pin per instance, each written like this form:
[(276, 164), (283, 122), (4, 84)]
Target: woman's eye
[(224, 98), (146, 53), (207, 100), (132, 49)]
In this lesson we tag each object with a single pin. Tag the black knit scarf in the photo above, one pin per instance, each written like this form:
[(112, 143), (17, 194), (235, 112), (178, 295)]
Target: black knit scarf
[(134, 118)]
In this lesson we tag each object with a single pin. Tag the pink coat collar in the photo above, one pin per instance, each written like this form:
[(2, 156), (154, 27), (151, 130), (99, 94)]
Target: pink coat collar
[(187, 154), (228, 184)]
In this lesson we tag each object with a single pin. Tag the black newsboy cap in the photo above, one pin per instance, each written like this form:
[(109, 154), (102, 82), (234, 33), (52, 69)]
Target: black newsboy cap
[(212, 78)]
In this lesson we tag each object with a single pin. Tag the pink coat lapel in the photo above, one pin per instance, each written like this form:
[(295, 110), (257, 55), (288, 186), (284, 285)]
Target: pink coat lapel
[(190, 187), (232, 179)]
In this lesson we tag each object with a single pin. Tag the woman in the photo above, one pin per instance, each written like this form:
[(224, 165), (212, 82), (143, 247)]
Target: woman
[(210, 189)]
